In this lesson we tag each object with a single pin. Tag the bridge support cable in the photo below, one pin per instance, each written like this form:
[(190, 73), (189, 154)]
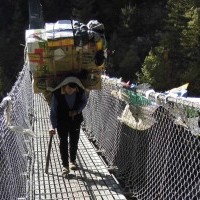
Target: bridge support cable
[(36, 20)]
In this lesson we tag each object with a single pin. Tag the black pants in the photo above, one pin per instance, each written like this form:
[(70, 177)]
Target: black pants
[(68, 134)]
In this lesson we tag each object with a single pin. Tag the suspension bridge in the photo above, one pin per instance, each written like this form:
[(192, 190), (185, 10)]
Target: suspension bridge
[(135, 144), (151, 154)]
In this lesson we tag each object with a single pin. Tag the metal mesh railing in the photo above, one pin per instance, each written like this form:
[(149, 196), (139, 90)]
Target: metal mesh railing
[(153, 143), (16, 157)]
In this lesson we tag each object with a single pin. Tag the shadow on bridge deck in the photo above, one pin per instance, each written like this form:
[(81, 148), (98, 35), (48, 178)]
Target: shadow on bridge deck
[(91, 181)]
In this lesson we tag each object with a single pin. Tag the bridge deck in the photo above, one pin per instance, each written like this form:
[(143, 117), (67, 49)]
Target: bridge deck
[(91, 181)]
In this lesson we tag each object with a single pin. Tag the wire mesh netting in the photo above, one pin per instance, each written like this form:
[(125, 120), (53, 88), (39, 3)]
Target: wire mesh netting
[(154, 145), (15, 139)]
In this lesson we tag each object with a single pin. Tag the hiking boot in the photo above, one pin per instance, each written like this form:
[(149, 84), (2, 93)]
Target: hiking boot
[(65, 171), (73, 165)]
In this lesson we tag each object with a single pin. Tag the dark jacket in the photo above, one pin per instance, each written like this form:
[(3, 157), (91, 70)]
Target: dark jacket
[(61, 112)]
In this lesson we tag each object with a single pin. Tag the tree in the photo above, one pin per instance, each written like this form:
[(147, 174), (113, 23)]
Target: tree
[(154, 70), (135, 34), (169, 55), (169, 28), (191, 44)]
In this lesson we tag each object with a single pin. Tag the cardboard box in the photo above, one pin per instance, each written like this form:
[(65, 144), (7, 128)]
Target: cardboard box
[(92, 82), (61, 42), (37, 52), (65, 59), (52, 55), (32, 35), (37, 47), (41, 83), (40, 69)]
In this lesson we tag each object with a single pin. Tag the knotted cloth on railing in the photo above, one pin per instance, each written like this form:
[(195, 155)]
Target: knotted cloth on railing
[(16, 140), (153, 144)]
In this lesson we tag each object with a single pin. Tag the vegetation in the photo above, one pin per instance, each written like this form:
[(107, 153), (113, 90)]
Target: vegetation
[(154, 41)]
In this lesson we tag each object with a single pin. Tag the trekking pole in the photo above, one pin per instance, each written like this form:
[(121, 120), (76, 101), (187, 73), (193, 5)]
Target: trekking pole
[(48, 154)]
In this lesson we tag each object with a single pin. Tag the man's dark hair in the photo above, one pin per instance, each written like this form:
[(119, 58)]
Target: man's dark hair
[(72, 85)]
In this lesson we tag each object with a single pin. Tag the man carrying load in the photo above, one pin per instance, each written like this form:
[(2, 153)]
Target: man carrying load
[(68, 101)]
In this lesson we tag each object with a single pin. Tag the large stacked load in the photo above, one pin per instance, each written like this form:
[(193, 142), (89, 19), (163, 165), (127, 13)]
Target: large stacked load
[(66, 48)]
